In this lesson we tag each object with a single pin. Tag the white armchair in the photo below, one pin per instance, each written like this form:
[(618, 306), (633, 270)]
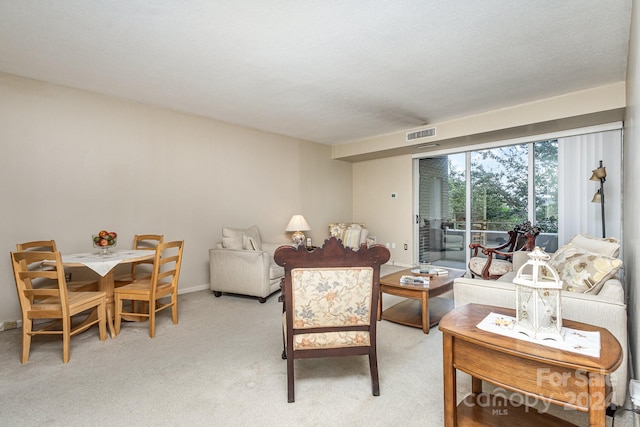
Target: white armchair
[(243, 264)]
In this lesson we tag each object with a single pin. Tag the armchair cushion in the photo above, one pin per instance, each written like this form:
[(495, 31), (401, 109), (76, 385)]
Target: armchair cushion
[(232, 238), (498, 267), (583, 271)]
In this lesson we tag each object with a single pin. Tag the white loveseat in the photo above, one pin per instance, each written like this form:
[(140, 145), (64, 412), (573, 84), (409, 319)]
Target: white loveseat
[(606, 309)]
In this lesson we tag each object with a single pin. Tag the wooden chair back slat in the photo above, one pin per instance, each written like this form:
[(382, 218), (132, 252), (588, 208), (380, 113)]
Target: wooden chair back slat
[(166, 264), (52, 302)]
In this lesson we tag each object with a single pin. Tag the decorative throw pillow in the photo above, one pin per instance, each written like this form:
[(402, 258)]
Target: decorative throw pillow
[(608, 246), (582, 271), (498, 267), (249, 243), (337, 230), (351, 238), (364, 233), (232, 237)]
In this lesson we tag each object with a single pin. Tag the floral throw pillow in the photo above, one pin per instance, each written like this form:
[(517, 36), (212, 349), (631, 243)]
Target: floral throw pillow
[(582, 271)]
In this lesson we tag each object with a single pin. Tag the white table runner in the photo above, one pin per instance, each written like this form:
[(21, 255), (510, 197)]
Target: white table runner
[(102, 264), (583, 342)]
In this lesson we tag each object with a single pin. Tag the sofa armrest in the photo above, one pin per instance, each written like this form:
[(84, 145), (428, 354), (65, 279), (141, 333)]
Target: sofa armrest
[(519, 259), (270, 247)]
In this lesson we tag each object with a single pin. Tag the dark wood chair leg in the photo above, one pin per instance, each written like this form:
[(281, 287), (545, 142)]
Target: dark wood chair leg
[(290, 389), (373, 365)]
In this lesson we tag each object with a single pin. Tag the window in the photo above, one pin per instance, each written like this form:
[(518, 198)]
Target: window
[(544, 181), (500, 197)]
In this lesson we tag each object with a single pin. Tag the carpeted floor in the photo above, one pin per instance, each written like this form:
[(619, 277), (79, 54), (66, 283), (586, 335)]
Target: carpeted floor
[(221, 365)]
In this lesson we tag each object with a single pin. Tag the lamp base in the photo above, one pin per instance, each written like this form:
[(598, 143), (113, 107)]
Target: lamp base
[(298, 238)]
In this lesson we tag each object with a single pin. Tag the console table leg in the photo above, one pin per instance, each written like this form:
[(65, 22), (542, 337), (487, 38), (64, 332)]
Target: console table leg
[(450, 399), (597, 398), (476, 385)]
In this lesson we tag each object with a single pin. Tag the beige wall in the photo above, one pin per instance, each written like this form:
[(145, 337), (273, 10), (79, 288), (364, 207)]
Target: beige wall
[(389, 219), (594, 106), (74, 162), (631, 186)]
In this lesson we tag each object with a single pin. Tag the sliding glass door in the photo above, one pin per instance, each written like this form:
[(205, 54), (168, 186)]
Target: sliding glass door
[(495, 188), (499, 193), (441, 217)]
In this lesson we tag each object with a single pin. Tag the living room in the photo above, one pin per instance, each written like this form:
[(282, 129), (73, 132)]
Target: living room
[(75, 161)]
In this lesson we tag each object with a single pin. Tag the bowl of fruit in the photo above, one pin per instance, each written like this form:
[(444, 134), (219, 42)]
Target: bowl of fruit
[(105, 240)]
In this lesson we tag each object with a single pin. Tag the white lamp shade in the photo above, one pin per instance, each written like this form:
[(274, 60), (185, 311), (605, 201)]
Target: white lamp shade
[(298, 223)]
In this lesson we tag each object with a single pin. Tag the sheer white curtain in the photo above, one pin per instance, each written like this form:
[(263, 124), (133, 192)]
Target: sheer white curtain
[(577, 157)]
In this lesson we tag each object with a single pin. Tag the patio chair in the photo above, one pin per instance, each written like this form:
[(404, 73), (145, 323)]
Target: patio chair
[(497, 261)]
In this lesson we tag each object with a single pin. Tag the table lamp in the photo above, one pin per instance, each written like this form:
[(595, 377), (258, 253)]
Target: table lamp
[(298, 224)]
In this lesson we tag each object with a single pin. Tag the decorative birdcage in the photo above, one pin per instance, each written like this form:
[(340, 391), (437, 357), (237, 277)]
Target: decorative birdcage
[(538, 298)]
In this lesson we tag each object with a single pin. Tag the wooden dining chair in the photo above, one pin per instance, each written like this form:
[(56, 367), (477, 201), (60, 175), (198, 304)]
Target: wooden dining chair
[(140, 269), (56, 304), (50, 246), (162, 284)]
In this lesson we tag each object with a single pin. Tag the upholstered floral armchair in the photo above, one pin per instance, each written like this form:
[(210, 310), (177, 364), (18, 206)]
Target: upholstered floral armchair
[(330, 297)]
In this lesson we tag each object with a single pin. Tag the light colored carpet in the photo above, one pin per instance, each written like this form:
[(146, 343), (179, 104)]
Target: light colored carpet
[(221, 365)]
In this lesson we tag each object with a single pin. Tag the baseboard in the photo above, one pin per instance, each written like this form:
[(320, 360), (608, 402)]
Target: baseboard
[(193, 289), (10, 324)]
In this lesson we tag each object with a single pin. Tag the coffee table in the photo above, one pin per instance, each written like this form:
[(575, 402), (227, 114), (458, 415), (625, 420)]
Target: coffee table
[(422, 308)]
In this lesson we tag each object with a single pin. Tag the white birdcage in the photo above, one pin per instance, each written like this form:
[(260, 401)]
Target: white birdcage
[(538, 307)]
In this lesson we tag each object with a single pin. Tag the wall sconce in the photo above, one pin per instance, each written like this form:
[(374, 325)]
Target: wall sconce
[(600, 174), (298, 224)]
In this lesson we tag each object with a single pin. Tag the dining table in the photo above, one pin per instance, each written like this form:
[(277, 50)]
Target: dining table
[(104, 265)]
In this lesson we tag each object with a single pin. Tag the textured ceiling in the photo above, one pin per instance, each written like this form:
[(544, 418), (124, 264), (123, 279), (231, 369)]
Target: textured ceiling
[(326, 71)]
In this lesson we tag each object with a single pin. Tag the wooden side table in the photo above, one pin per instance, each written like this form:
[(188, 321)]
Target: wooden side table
[(422, 308), (538, 372)]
